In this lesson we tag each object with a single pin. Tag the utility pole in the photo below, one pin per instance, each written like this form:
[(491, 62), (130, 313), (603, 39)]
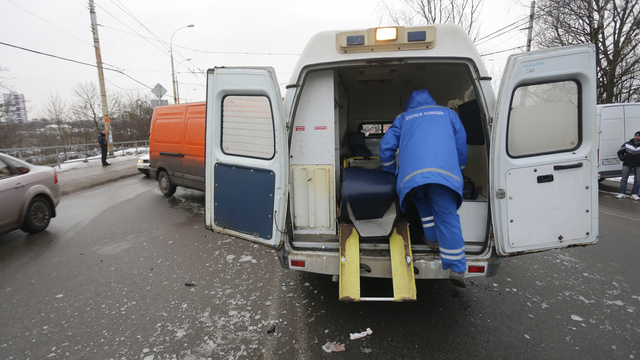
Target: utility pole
[(531, 16), (103, 91), (176, 99)]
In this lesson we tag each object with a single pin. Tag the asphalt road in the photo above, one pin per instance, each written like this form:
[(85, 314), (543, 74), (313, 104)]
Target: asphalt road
[(125, 273)]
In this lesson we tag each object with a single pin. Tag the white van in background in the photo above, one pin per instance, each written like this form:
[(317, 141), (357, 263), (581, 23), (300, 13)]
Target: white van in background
[(616, 124), (303, 176)]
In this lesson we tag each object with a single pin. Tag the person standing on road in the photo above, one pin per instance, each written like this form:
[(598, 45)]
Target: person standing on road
[(629, 154), (102, 140), (432, 153)]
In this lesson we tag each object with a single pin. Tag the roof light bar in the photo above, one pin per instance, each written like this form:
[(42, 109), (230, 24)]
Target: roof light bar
[(390, 38), (355, 40), (386, 34)]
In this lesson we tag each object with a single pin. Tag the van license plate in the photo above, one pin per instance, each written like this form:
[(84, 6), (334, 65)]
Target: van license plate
[(610, 161)]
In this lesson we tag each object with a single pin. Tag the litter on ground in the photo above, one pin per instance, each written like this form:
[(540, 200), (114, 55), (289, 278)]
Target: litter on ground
[(333, 346), (361, 334)]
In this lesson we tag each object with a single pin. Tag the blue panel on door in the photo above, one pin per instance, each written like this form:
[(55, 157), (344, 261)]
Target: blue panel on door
[(243, 199)]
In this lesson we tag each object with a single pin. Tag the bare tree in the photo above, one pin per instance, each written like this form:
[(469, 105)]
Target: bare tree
[(612, 25), (136, 117), (56, 111), (11, 135), (87, 105), (412, 12), (3, 88)]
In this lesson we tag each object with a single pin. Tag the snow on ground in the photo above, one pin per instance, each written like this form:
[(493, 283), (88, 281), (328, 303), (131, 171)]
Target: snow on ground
[(120, 155)]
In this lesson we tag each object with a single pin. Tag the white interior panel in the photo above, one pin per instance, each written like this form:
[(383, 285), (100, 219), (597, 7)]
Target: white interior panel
[(313, 199)]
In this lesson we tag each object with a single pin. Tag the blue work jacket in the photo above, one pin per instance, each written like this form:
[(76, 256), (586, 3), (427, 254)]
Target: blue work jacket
[(432, 146)]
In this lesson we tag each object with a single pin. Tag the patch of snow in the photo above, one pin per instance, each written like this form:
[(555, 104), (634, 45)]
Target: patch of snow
[(615, 302)]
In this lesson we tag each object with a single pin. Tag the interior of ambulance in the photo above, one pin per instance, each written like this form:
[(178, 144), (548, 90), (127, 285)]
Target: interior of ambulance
[(366, 99)]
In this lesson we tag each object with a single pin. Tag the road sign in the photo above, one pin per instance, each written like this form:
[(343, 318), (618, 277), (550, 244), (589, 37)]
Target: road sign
[(155, 103), (159, 91)]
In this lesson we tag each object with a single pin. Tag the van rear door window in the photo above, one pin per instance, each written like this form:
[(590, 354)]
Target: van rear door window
[(544, 119), (247, 127)]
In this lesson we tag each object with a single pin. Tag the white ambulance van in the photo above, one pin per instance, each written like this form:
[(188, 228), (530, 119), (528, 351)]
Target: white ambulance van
[(617, 123), (302, 176)]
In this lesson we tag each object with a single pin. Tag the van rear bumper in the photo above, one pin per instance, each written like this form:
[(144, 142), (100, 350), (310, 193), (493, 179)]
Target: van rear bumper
[(426, 266)]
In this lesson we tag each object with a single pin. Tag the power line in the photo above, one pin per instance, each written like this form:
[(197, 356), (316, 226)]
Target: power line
[(511, 27), (74, 61), (66, 13), (50, 23), (128, 12), (204, 51), (130, 28), (502, 51)]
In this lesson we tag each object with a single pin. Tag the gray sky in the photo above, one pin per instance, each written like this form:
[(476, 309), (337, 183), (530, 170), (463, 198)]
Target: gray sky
[(135, 36)]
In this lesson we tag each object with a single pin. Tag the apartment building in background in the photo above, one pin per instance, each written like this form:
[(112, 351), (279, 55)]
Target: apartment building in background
[(15, 107)]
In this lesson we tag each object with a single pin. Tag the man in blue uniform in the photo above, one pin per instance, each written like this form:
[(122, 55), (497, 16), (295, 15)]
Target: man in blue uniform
[(431, 158)]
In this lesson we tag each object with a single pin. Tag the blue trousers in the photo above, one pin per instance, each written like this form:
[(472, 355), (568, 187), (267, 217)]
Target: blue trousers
[(626, 171), (437, 206)]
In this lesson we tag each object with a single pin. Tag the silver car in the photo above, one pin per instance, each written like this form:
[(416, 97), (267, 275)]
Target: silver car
[(29, 195), (143, 164)]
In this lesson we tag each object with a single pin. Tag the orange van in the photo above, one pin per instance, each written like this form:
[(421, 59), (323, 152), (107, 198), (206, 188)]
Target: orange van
[(176, 144)]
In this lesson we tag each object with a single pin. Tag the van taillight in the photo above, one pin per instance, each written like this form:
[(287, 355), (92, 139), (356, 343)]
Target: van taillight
[(476, 269), (55, 176), (298, 263)]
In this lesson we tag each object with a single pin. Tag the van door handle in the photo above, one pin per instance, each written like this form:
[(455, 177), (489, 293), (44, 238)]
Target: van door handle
[(545, 178), (565, 167), (172, 154)]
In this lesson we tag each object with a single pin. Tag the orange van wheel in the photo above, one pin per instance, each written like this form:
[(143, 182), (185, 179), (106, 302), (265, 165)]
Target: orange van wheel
[(164, 184)]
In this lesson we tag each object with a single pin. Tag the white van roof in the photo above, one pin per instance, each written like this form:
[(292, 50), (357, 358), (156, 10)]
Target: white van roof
[(599, 107), (450, 41)]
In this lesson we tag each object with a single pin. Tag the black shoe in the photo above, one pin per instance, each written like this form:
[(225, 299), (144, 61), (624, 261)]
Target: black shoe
[(457, 279), (433, 245), (106, 164)]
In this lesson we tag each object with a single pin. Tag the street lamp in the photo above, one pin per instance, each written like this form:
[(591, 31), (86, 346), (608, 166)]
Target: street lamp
[(189, 92), (173, 74), (178, 83)]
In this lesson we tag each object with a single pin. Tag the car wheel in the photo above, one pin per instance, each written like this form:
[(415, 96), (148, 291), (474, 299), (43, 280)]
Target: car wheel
[(38, 216), (164, 183)]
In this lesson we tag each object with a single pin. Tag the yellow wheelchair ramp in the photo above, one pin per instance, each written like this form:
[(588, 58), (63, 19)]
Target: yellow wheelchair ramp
[(349, 264), (404, 282)]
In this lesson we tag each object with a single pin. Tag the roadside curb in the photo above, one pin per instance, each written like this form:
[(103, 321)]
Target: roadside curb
[(95, 183), (93, 175)]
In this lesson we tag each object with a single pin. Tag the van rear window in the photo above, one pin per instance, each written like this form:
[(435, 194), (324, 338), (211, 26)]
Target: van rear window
[(374, 129), (247, 126), (544, 118)]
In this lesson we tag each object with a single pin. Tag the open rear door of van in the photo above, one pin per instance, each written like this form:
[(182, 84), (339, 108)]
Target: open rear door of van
[(246, 155), (543, 169)]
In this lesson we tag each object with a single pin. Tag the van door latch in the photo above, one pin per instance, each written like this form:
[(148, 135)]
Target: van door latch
[(545, 178)]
